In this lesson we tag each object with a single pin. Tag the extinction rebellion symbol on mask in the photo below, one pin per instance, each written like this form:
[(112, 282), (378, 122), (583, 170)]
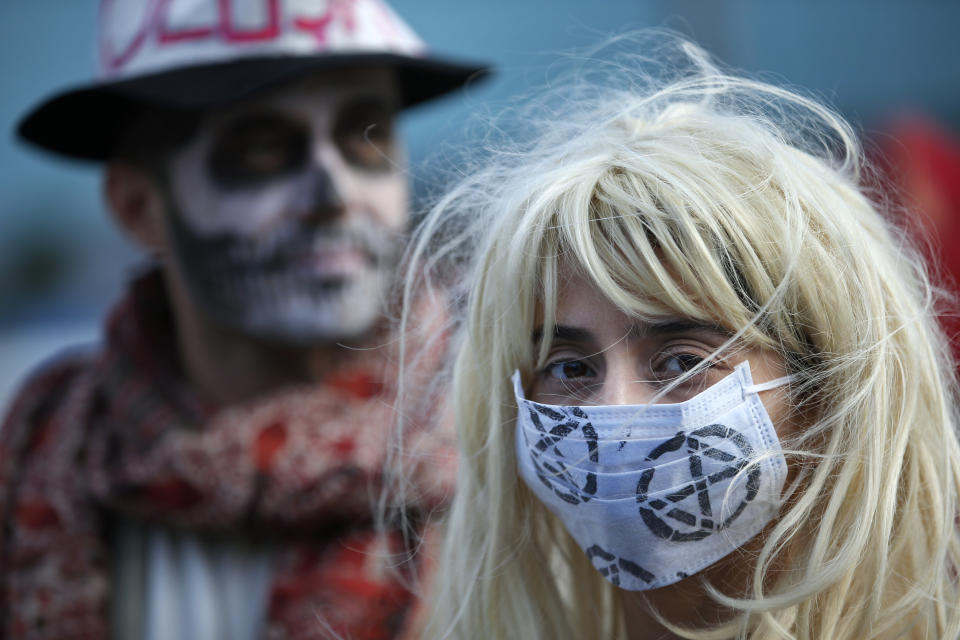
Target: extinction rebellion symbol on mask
[(554, 473), (611, 566), (690, 512)]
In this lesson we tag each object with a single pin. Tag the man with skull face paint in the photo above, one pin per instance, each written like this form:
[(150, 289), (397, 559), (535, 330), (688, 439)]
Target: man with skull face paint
[(208, 474), (282, 217)]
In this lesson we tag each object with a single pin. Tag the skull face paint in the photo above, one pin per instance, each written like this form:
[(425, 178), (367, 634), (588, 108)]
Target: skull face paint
[(285, 215)]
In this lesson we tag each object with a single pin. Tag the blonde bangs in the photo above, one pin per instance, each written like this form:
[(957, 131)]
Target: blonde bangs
[(656, 245)]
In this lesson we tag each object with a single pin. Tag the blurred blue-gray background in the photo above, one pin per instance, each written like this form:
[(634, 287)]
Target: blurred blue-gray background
[(61, 262)]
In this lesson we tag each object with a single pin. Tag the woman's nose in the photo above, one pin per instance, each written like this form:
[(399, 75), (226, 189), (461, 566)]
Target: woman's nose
[(622, 385)]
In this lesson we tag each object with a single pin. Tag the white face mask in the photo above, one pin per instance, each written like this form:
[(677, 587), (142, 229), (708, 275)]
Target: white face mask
[(655, 493)]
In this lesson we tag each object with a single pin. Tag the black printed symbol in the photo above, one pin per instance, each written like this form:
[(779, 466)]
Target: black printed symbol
[(686, 514), (555, 473), (610, 566)]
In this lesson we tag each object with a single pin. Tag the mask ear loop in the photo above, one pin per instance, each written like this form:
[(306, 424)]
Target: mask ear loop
[(771, 384)]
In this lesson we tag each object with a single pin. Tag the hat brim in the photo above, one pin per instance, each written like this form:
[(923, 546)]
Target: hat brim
[(86, 122)]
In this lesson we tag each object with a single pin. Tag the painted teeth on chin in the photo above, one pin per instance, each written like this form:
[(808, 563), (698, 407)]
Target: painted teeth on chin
[(262, 251), (267, 248), (237, 290), (281, 290), (266, 287), (224, 267), (239, 253)]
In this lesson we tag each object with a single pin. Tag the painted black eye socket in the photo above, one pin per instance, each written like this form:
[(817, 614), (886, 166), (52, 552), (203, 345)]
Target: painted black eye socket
[(256, 149), (364, 134)]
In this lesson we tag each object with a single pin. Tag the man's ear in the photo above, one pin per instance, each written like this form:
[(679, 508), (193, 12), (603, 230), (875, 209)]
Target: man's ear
[(136, 203)]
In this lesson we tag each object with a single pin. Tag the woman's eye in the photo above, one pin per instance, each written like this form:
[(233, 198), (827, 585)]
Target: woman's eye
[(672, 366), (568, 370)]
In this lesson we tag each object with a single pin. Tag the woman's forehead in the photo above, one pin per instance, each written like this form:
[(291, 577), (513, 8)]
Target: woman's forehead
[(579, 298)]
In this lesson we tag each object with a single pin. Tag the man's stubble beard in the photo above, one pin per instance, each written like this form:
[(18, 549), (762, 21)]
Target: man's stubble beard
[(252, 286)]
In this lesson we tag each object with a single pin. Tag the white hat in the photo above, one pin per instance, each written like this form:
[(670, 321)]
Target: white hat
[(196, 54)]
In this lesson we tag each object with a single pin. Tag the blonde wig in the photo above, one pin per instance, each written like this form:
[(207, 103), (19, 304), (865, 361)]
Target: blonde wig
[(741, 204)]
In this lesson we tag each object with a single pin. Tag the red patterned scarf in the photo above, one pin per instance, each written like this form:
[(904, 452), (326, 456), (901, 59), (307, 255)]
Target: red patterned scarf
[(121, 435)]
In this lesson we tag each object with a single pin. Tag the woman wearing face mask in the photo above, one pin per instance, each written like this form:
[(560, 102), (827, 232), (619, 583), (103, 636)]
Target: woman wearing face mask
[(700, 387)]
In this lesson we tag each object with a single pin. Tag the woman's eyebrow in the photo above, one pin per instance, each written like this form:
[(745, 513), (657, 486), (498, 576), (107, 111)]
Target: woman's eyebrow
[(667, 327), (563, 332)]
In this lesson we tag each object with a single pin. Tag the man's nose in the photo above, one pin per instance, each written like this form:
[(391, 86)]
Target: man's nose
[(329, 183)]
